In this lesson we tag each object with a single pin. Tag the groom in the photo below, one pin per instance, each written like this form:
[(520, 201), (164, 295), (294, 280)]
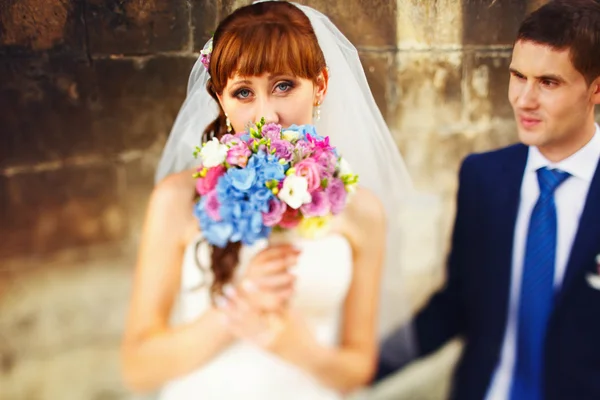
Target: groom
[(523, 281)]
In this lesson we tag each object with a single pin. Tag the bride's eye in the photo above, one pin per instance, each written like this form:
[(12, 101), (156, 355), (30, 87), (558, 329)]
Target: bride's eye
[(242, 93), (285, 86)]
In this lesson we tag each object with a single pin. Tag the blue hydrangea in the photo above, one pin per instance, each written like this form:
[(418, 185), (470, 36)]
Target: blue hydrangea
[(217, 233), (243, 196)]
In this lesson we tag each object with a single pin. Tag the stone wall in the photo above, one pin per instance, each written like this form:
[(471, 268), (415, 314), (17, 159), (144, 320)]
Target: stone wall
[(88, 92)]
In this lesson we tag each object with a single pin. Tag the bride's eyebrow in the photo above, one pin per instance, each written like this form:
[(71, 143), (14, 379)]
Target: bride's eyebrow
[(274, 77), (237, 84)]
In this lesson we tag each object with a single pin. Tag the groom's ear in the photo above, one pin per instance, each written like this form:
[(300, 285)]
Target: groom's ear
[(596, 91)]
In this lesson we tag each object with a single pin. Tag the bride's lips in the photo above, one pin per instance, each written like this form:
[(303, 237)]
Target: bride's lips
[(528, 122)]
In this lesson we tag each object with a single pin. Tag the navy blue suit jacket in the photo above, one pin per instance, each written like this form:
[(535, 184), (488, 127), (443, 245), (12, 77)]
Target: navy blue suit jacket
[(474, 302)]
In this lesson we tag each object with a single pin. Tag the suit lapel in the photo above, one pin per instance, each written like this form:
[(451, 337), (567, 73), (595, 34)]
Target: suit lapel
[(587, 238), (505, 207), (508, 200)]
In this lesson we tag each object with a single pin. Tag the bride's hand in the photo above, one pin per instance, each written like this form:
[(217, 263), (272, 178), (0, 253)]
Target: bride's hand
[(267, 282), (247, 321), (284, 333)]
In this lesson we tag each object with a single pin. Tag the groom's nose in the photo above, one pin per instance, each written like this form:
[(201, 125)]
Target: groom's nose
[(527, 97)]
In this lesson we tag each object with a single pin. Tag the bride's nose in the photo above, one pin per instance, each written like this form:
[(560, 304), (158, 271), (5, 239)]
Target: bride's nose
[(267, 111)]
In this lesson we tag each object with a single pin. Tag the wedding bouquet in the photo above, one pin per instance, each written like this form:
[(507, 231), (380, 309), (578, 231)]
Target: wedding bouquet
[(266, 178)]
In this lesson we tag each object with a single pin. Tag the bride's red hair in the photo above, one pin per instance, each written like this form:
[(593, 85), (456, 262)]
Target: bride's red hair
[(269, 37), (273, 37)]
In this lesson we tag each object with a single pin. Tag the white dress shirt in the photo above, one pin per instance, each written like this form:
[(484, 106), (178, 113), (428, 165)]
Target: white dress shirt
[(569, 198)]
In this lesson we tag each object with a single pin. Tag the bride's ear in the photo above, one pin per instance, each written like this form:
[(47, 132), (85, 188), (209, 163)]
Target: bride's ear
[(322, 84), (220, 97)]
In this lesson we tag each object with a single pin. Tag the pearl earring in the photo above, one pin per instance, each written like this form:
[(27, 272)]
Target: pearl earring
[(317, 111), (228, 123)]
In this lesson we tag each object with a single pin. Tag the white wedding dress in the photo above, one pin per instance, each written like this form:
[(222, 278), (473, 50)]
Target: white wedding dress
[(245, 371)]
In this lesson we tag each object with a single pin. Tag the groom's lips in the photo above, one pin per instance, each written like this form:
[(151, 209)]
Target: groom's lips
[(528, 122)]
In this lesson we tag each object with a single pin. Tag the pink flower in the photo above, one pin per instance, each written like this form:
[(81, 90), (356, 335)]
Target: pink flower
[(302, 149), (275, 213), (310, 170), (212, 205), (319, 144), (208, 183), (318, 207), (327, 160), (229, 138), (336, 192), (290, 218), (205, 60), (283, 149), (271, 131), (238, 155)]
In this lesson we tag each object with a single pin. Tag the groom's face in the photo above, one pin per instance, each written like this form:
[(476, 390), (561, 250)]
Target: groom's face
[(279, 98), (551, 100)]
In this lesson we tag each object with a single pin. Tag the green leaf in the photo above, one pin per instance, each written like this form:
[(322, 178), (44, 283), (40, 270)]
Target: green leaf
[(349, 179), (197, 152), (255, 134), (272, 184)]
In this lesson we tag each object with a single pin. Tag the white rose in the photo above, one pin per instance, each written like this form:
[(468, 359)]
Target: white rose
[(290, 135), (345, 167), (346, 170), (295, 191), (213, 153)]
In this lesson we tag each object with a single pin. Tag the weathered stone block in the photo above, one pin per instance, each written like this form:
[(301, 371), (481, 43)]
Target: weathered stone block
[(36, 25), (139, 182), (425, 24), (449, 104), (366, 23), (492, 23), (64, 321), (204, 21), (485, 99), (137, 26), (81, 372), (102, 110), (378, 68), (139, 99), (44, 112), (369, 23), (426, 102), (52, 210), (226, 7)]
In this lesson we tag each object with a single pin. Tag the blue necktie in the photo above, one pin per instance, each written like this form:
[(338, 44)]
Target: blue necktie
[(537, 289)]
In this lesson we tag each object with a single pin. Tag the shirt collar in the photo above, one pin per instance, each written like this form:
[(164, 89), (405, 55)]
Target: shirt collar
[(581, 164)]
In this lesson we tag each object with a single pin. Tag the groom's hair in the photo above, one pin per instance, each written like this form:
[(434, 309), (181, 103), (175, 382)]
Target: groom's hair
[(568, 24)]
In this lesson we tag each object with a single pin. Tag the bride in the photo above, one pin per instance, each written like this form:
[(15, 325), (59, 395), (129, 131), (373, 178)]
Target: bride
[(296, 320)]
